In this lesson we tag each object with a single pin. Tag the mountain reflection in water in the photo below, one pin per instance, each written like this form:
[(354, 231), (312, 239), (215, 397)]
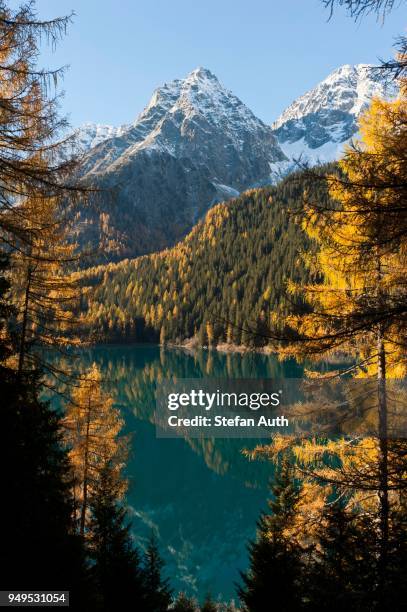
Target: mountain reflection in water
[(202, 497)]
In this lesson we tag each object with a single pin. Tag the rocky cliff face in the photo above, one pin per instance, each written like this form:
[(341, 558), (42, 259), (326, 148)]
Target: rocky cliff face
[(194, 144)]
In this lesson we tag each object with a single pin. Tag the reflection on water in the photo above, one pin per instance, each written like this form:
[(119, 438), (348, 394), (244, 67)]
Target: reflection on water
[(202, 496)]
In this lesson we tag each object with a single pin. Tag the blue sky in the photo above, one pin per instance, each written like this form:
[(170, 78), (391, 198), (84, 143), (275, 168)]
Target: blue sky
[(268, 52)]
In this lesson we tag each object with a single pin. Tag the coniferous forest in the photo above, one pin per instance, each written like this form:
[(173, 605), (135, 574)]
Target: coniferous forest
[(312, 268), (201, 288)]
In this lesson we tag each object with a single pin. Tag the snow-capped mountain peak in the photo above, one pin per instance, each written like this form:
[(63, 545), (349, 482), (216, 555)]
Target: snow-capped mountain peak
[(319, 123), (196, 117), (89, 135), (347, 89), (198, 97), (194, 144), (163, 100), (167, 95)]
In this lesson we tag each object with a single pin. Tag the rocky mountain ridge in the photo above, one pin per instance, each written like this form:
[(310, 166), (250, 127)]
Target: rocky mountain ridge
[(193, 145), (318, 124), (196, 143)]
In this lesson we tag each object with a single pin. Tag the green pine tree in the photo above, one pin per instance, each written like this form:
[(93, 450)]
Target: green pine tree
[(345, 563), (209, 605), (274, 575), (343, 571), (396, 585), (185, 604), (116, 569), (39, 548), (157, 590)]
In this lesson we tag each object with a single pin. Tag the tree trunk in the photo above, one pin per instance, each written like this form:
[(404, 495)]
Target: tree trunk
[(85, 472), (383, 492), (383, 442), (22, 351)]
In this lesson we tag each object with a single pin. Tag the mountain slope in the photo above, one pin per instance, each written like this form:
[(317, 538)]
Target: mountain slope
[(319, 123), (194, 144), (232, 267)]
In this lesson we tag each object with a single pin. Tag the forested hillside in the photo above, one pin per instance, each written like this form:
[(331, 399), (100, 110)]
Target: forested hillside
[(229, 273)]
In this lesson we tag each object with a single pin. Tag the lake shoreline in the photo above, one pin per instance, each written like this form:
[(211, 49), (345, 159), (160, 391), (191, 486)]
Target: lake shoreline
[(191, 345), (223, 347)]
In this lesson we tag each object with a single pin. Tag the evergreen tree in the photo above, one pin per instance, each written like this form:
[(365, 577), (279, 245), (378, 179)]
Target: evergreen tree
[(274, 576), (395, 586), (185, 604), (157, 589), (116, 569), (39, 549), (343, 568), (236, 282), (209, 605)]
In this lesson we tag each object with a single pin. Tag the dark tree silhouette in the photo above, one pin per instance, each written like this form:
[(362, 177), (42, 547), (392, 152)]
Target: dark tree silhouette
[(274, 575), (116, 569), (359, 8), (209, 605), (343, 571), (185, 604), (39, 547), (157, 589)]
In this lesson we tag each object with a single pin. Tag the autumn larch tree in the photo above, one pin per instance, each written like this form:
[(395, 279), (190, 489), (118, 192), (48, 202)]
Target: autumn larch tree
[(39, 545), (46, 293), (35, 155), (360, 308), (92, 427), (40, 188)]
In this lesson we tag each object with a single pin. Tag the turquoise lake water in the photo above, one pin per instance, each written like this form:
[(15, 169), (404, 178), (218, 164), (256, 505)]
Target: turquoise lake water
[(201, 497)]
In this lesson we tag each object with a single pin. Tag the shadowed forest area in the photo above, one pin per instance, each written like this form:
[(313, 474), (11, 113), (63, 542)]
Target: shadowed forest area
[(313, 268)]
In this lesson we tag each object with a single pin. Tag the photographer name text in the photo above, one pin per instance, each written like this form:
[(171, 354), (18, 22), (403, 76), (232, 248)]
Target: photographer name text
[(221, 400)]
